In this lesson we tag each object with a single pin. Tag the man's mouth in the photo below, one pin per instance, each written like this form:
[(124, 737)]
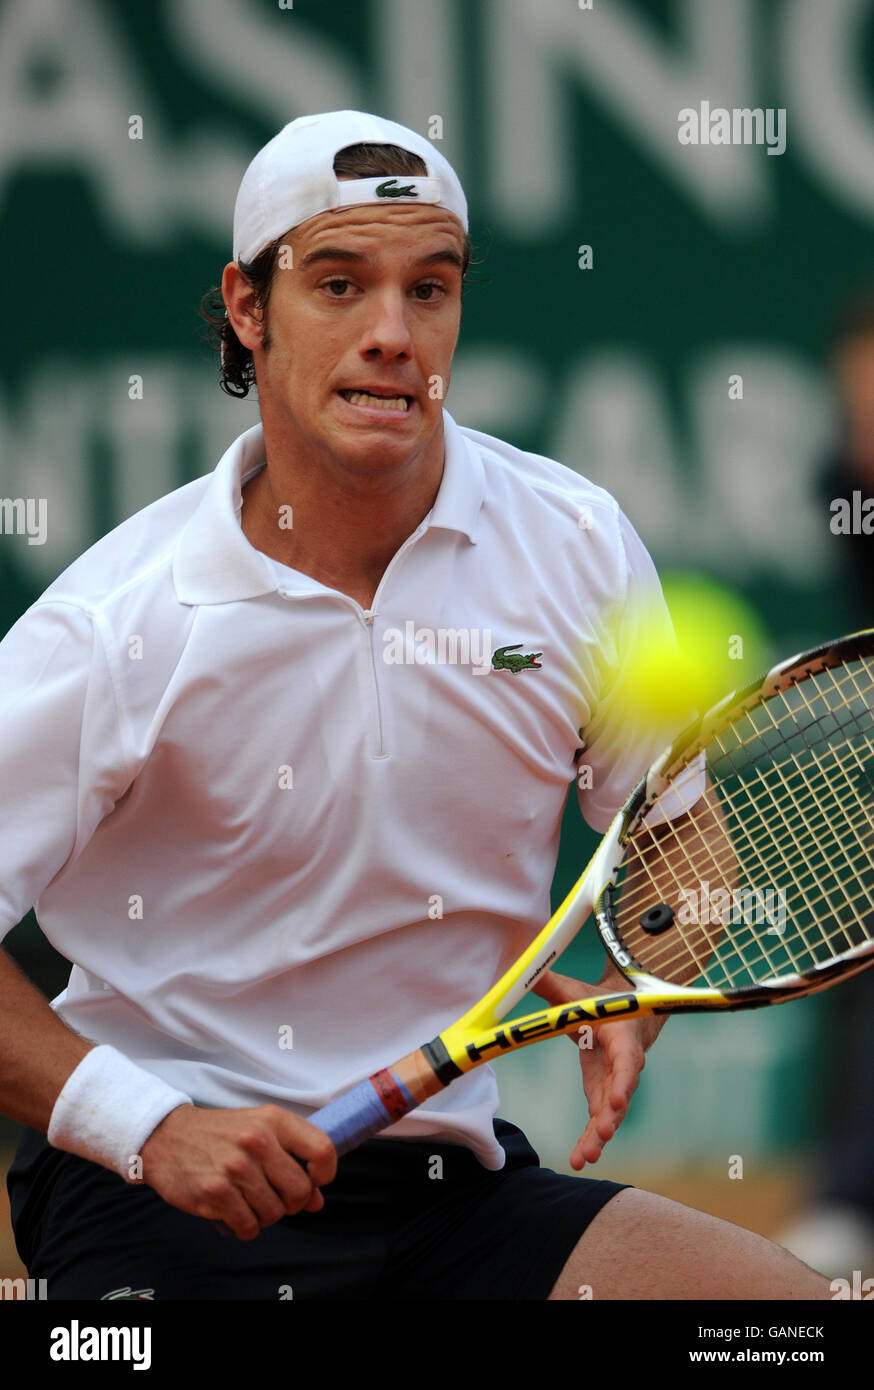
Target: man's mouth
[(374, 402)]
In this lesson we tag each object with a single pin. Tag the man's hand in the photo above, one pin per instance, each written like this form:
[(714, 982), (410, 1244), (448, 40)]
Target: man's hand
[(236, 1166), (611, 1067)]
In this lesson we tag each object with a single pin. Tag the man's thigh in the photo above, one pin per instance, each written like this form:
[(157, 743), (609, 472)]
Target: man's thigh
[(642, 1246)]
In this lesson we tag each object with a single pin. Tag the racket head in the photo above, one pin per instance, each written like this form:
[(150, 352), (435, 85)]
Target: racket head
[(747, 861)]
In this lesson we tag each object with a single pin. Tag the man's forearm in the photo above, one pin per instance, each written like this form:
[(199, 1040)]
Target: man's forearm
[(38, 1052)]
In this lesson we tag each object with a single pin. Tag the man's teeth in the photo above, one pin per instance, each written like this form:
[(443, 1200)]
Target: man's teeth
[(381, 402)]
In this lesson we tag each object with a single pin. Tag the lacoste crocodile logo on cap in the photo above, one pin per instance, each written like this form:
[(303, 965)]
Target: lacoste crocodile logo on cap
[(509, 659), (390, 189)]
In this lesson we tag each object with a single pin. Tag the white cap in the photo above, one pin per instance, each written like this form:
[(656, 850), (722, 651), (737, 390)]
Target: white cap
[(292, 178)]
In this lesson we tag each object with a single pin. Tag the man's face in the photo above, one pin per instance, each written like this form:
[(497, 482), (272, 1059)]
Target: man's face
[(371, 303)]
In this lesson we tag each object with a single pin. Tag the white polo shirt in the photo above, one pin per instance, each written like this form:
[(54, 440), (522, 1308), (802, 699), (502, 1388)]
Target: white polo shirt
[(284, 840)]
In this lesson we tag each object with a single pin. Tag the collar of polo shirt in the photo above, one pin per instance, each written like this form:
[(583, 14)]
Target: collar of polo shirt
[(215, 563)]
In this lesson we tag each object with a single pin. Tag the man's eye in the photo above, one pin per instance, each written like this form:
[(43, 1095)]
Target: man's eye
[(428, 292)]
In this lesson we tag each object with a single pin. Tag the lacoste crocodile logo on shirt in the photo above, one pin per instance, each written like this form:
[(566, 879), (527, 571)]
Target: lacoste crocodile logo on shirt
[(509, 659)]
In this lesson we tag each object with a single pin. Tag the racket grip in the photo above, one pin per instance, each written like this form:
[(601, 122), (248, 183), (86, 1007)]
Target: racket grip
[(369, 1107)]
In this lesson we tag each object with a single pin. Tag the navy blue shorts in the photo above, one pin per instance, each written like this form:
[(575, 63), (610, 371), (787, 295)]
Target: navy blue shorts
[(397, 1224)]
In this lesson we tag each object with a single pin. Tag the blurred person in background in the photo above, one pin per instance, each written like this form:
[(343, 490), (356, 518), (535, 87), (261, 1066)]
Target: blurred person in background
[(836, 1232)]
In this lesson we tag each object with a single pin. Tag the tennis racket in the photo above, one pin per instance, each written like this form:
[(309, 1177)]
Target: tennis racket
[(739, 873)]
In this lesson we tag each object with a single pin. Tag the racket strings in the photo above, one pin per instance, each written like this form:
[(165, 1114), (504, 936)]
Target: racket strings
[(684, 945), (809, 908), (813, 832), (790, 805), (770, 853), (755, 952)]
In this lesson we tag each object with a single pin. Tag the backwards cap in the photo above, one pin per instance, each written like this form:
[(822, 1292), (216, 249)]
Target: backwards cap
[(292, 178)]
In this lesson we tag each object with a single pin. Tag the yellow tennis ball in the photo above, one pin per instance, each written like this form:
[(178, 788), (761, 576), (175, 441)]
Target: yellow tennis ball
[(720, 646)]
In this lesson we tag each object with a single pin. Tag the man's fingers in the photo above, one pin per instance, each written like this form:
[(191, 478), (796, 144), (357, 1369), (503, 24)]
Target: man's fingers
[(610, 1098), (611, 1074), (608, 1106), (622, 1088), (244, 1169), (560, 989), (255, 1198), (626, 1060), (309, 1144), (290, 1158), (227, 1208), (588, 1149), (602, 1126)]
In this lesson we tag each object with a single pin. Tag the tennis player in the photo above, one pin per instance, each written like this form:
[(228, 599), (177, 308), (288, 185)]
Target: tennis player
[(283, 767)]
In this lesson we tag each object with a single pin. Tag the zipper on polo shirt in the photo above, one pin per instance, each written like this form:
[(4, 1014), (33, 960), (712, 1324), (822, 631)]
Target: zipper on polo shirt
[(367, 617)]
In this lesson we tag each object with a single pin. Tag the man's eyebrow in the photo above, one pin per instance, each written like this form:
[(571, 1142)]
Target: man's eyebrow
[(339, 253)]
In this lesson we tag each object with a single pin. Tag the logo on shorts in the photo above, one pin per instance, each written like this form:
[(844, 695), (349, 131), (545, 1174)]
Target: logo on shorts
[(148, 1295), (391, 189)]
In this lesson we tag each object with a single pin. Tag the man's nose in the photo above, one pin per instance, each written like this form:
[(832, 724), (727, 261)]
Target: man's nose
[(388, 327)]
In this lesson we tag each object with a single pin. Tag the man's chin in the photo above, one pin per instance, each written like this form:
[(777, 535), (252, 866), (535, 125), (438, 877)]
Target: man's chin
[(375, 456), (376, 444)]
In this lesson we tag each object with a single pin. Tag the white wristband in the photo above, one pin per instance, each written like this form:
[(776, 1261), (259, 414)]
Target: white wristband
[(108, 1107)]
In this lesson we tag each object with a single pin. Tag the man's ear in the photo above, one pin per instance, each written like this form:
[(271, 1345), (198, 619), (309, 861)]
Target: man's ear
[(245, 317)]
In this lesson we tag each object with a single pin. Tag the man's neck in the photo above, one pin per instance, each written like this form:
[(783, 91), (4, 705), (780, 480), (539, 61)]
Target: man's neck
[(340, 529)]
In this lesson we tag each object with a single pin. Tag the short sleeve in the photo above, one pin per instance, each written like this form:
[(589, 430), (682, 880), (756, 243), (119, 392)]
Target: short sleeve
[(622, 737), (62, 761)]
